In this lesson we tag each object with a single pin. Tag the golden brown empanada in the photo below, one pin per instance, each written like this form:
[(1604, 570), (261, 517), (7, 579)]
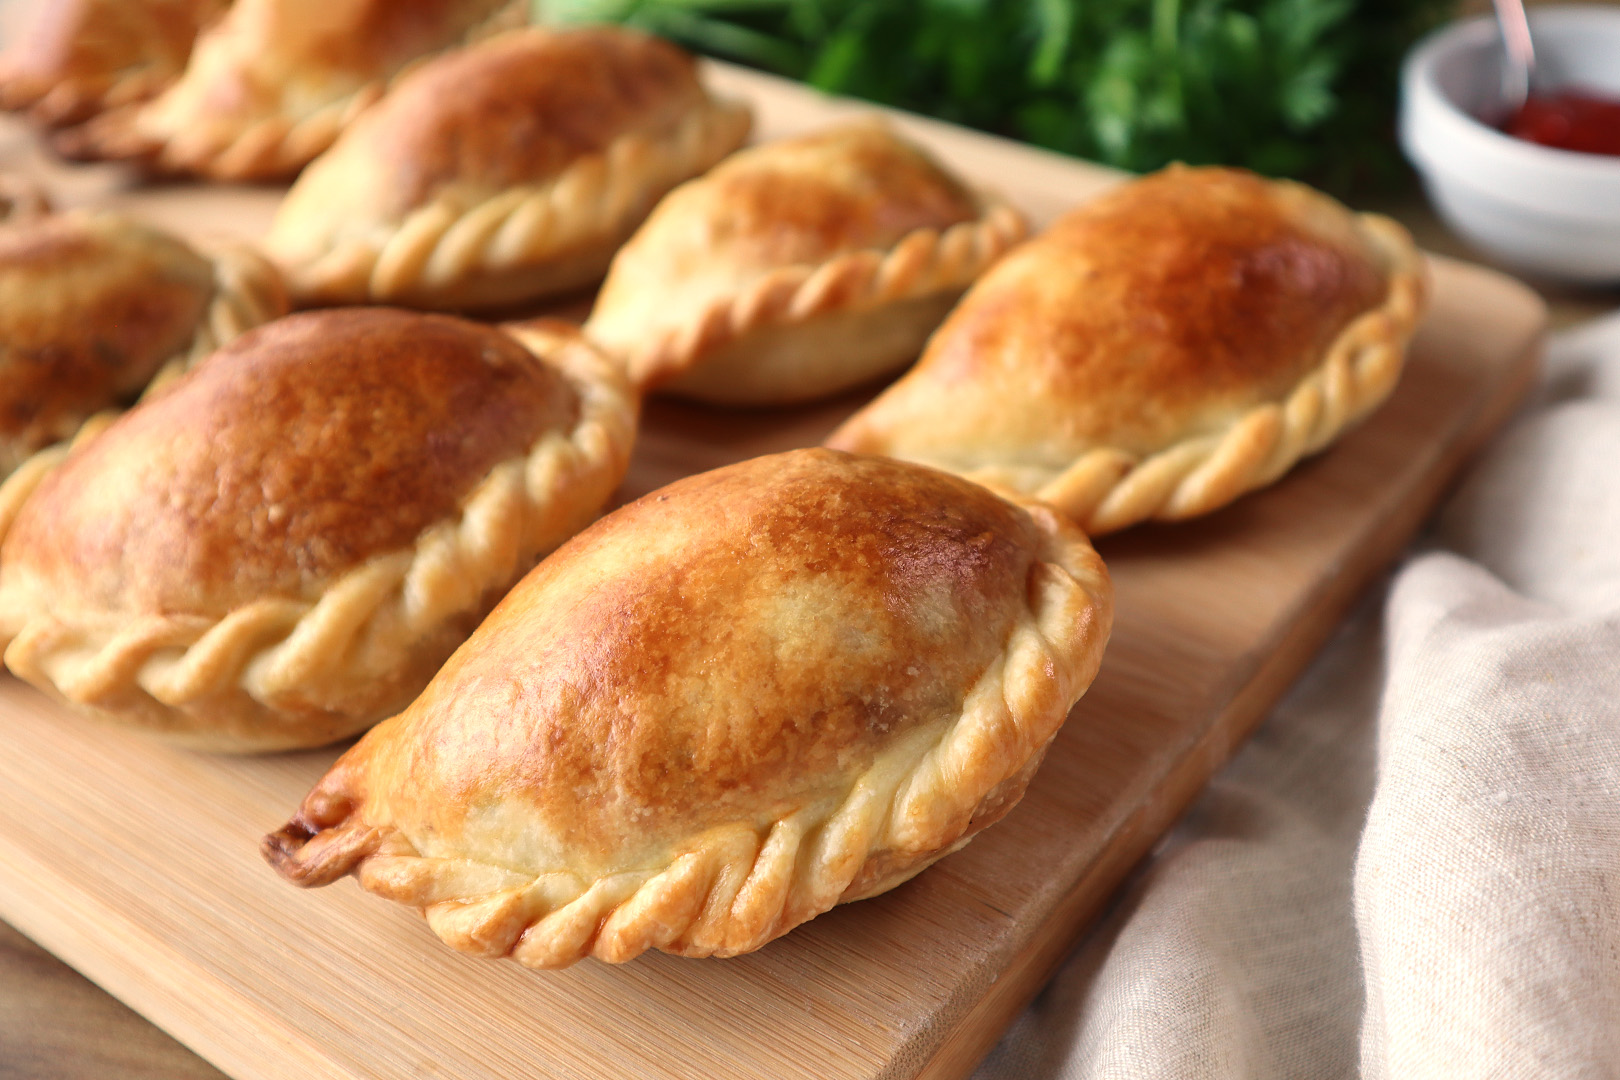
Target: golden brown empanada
[(798, 269), (78, 57), (272, 83), (94, 307), (283, 546), (1158, 352), (724, 708), (502, 172)]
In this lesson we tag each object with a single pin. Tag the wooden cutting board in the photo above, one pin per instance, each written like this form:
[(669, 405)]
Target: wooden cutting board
[(138, 864)]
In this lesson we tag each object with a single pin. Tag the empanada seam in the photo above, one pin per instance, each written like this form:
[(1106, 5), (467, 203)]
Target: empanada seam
[(248, 292), (443, 243), (924, 262), (524, 506), (1109, 488), (269, 147), (75, 99)]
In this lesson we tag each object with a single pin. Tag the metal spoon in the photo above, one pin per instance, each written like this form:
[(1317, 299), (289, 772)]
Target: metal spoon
[(1519, 55)]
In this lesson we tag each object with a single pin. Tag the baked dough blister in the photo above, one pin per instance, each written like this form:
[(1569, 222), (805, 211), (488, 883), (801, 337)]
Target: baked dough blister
[(799, 268), (282, 547), (96, 309), (502, 172), (78, 58), (1162, 350), (721, 710), (272, 83)]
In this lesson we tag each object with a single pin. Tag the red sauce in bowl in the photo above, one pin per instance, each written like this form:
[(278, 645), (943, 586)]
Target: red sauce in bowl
[(1569, 120)]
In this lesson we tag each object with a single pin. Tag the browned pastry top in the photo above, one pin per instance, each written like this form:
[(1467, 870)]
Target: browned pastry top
[(1151, 314), (375, 37), (729, 648), (291, 455), (282, 44), (523, 106), (850, 187), (90, 308)]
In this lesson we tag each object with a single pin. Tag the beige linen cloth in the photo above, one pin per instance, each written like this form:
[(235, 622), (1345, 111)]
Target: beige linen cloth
[(1414, 868)]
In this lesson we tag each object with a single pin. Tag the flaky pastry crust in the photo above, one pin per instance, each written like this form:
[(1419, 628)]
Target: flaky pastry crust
[(80, 57), (1161, 351), (272, 84), (283, 546), (797, 269), (502, 172), (95, 308), (725, 708)]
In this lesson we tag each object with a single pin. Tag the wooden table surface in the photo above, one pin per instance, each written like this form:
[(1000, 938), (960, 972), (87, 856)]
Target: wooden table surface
[(56, 1025)]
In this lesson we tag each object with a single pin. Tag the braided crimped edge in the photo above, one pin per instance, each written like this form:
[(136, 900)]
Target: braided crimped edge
[(75, 99), (277, 649), (269, 148), (734, 888), (1108, 489), (248, 291), (924, 262), (441, 251)]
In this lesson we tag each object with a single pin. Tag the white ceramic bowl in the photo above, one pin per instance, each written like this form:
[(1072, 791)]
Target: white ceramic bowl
[(1551, 212)]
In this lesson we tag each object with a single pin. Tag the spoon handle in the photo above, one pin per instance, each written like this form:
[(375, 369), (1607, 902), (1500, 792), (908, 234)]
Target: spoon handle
[(1520, 68)]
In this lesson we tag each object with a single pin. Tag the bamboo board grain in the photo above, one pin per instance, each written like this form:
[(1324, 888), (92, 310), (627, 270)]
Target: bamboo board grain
[(137, 863)]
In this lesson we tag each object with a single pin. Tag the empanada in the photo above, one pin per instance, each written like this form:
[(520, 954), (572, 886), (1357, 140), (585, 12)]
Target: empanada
[(78, 57), (1158, 352), (95, 306), (724, 708), (282, 547), (502, 172), (271, 84), (798, 268)]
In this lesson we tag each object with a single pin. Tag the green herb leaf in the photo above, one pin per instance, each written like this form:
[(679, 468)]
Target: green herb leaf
[(1286, 87)]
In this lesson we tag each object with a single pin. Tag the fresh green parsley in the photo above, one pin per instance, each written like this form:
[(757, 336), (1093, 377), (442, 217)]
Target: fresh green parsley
[(1302, 88)]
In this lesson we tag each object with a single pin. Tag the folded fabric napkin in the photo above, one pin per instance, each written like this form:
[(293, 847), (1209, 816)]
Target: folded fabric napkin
[(1414, 868)]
